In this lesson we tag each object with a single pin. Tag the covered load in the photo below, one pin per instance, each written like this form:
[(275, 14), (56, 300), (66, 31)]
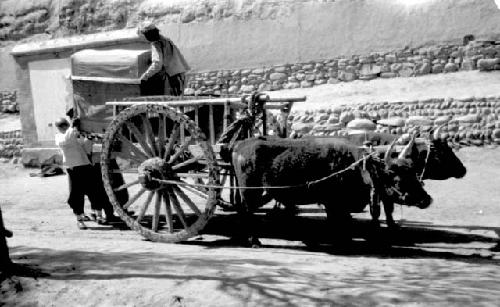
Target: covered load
[(113, 63), (104, 75)]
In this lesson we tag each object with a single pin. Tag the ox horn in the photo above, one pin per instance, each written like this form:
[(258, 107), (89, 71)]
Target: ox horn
[(387, 156), (407, 148), (437, 131)]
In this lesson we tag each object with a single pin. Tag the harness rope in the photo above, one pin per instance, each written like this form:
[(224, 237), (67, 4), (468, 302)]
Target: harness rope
[(429, 147), (308, 184)]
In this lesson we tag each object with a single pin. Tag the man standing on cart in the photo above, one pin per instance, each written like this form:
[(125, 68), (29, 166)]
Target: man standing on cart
[(167, 72)]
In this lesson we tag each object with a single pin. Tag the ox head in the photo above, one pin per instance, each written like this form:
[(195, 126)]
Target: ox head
[(399, 179), (442, 162)]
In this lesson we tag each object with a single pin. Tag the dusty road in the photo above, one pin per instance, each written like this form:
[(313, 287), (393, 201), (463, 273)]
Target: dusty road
[(445, 255)]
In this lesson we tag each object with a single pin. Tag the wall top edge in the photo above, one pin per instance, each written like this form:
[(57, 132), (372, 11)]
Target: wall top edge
[(81, 41)]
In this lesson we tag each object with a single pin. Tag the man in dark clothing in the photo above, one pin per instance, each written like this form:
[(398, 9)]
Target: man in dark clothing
[(167, 62)]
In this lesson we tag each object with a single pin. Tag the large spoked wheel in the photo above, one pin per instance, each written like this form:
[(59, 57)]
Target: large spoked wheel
[(147, 155)]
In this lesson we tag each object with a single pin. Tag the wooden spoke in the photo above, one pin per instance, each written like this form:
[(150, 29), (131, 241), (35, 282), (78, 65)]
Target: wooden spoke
[(148, 129), (140, 138), (156, 213), (124, 171), (192, 175), (168, 212), (178, 208), (185, 163), (162, 134), (145, 206), (134, 198), (195, 191), (171, 142), (126, 185), (187, 200), (179, 151), (132, 147), (133, 137)]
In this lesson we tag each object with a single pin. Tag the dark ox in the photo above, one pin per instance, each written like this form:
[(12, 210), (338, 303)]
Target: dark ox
[(287, 162), (433, 159)]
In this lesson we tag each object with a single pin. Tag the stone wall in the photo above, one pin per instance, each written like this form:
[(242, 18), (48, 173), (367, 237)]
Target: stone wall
[(8, 102), (11, 145), (408, 62), (467, 121)]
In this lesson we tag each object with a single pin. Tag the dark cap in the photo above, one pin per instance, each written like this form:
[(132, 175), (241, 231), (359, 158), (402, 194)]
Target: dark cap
[(146, 26), (61, 122)]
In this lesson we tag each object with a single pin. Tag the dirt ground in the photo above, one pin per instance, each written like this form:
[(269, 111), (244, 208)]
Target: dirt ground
[(446, 255)]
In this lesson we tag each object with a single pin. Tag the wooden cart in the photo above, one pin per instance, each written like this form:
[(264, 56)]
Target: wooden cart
[(150, 138), (164, 138)]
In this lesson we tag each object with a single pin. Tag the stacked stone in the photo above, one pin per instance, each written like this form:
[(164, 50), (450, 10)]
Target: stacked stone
[(24, 20), (79, 17), (467, 121), (11, 145), (8, 102), (407, 62)]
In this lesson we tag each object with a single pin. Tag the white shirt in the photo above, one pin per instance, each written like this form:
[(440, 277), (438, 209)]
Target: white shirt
[(72, 148)]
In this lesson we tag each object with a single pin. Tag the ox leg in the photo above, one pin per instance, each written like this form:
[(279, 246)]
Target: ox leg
[(339, 222), (375, 209), (389, 210), (250, 201)]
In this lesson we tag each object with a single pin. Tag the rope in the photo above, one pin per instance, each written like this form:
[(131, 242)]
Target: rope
[(308, 184), (426, 160)]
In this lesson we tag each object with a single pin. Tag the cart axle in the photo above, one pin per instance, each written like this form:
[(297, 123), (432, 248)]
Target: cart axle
[(155, 168)]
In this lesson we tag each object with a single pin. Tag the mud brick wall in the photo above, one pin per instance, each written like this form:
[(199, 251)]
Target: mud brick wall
[(408, 62), (11, 145), (8, 102), (467, 121)]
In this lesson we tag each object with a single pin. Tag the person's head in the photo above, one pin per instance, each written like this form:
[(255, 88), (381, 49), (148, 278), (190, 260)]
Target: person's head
[(149, 31), (62, 124), (468, 38)]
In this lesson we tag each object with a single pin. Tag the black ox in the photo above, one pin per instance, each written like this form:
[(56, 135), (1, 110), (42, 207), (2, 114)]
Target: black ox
[(299, 163), (433, 159)]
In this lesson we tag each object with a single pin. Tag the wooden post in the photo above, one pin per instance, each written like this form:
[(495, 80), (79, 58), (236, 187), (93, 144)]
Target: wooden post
[(284, 113), (196, 116), (231, 184), (211, 124), (226, 116), (181, 110), (264, 122)]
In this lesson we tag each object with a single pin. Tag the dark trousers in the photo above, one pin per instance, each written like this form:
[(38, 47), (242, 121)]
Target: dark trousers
[(103, 203), (177, 84), (116, 180), (82, 182), (5, 262)]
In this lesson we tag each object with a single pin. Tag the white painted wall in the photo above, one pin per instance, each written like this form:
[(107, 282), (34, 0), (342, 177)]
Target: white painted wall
[(313, 30), (51, 91)]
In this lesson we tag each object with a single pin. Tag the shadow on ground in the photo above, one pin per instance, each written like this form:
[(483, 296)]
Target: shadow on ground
[(413, 239), (238, 274)]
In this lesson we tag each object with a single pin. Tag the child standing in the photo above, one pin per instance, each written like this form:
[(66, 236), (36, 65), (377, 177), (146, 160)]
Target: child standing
[(81, 176)]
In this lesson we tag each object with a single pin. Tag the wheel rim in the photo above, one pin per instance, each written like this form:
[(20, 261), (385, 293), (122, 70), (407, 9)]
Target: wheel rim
[(145, 145)]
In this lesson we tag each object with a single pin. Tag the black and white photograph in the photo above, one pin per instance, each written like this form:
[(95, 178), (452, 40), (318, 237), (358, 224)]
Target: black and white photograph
[(189, 153)]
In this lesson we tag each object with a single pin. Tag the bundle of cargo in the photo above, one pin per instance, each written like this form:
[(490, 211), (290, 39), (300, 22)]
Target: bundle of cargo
[(105, 75)]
